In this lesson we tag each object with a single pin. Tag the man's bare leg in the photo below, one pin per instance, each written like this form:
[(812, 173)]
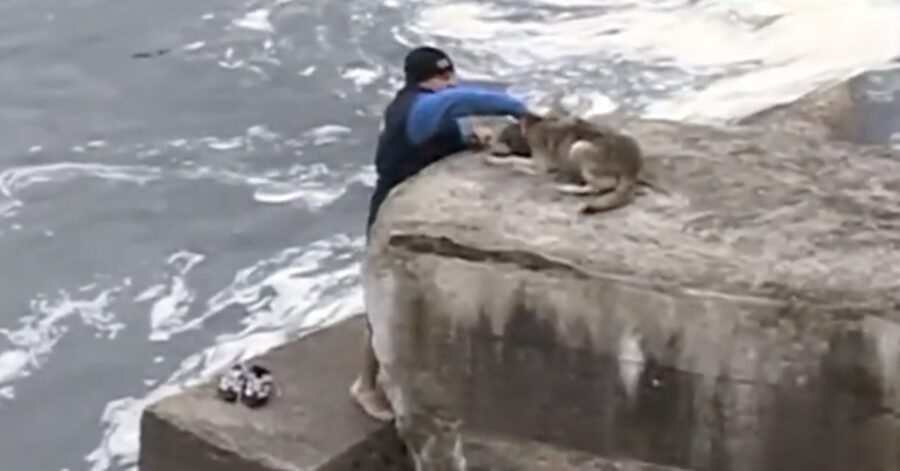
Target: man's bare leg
[(366, 390)]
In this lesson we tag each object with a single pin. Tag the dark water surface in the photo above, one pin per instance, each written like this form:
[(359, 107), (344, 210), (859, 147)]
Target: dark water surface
[(125, 174)]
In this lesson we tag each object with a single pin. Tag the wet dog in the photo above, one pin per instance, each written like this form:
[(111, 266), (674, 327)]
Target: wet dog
[(592, 159)]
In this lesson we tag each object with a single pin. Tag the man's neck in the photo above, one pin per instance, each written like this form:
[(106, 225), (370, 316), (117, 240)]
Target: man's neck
[(434, 87)]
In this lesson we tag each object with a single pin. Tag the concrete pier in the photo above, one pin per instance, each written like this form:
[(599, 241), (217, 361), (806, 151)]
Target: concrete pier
[(743, 320), (311, 425)]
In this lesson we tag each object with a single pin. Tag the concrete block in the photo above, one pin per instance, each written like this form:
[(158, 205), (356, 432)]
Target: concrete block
[(745, 321), (312, 425)]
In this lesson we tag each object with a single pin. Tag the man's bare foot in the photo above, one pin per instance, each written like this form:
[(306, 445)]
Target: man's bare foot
[(372, 400)]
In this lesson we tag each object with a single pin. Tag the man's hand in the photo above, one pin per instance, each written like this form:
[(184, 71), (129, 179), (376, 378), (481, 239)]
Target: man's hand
[(481, 137)]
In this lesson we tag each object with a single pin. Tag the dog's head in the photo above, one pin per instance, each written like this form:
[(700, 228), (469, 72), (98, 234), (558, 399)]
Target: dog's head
[(512, 140), (528, 121)]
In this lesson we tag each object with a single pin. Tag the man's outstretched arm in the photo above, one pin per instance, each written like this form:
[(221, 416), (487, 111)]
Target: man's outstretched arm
[(433, 112)]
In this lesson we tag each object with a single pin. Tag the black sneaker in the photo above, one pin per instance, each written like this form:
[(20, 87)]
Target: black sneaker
[(258, 387), (231, 383)]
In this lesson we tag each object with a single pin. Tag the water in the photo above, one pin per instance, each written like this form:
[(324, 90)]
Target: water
[(164, 215)]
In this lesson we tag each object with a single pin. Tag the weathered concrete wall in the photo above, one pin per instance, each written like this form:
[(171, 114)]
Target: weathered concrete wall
[(747, 321), (311, 425)]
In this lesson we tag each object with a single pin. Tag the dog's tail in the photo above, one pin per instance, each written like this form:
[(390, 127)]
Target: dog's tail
[(582, 151), (621, 195)]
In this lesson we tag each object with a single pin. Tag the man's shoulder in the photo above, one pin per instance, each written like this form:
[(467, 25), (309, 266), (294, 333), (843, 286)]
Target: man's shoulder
[(456, 93)]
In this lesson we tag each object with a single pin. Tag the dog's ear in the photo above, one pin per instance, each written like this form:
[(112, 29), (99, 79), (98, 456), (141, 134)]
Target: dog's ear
[(583, 125), (531, 118)]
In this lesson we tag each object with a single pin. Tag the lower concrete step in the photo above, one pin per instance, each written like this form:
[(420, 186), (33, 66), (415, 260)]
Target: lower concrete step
[(310, 425)]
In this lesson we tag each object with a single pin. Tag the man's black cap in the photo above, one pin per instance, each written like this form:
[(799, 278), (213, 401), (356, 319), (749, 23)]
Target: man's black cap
[(423, 63)]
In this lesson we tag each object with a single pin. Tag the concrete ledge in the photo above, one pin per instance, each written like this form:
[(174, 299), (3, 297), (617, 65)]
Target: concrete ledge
[(311, 425), (745, 321)]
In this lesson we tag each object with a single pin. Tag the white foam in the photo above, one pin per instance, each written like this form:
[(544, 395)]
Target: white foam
[(367, 176), (13, 364), (171, 301), (315, 186), (257, 20), (326, 134), (226, 144), (313, 194), (809, 44), (194, 46), (261, 132), (807, 48), (18, 178), (362, 76), (39, 331), (8, 207), (307, 71)]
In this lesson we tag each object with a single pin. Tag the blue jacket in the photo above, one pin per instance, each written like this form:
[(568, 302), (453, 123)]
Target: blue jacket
[(422, 126)]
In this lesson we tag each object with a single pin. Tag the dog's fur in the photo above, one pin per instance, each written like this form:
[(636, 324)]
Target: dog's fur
[(592, 159)]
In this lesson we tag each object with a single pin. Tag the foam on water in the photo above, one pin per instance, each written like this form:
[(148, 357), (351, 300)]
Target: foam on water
[(314, 186), (171, 300), (30, 344), (737, 57), (326, 134), (256, 20), (17, 178), (314, 194), (285, 293), (362, 76)]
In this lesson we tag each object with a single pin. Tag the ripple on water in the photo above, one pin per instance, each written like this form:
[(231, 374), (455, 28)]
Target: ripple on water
[(297, 289), (257, 20), (171, 300), (31, 343)]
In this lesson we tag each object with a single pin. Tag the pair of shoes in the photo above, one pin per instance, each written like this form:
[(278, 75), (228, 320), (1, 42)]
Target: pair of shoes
[(252, 385)]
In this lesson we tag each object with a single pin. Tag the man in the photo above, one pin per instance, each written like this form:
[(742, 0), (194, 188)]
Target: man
[(423, 124)]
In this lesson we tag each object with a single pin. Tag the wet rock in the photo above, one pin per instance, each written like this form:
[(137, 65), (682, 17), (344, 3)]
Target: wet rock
[(310, 424), (864, 109), (748, 320)]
